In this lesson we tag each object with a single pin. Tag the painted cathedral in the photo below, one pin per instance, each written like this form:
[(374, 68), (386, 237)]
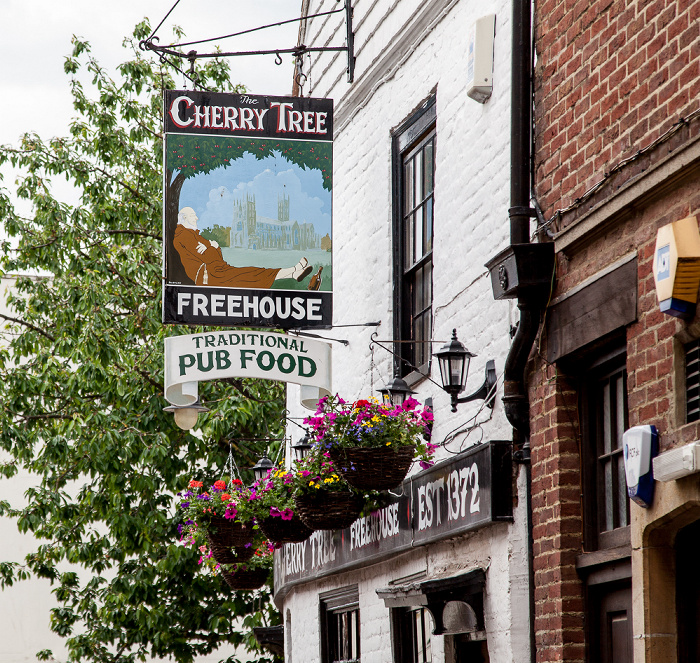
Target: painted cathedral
[(252, 232)]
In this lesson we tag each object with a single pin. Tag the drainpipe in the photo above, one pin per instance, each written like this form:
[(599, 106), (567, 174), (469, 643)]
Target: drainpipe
[(522, 271)]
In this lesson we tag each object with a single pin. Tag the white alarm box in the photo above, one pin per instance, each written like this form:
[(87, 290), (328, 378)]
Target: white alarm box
[(480, 58)]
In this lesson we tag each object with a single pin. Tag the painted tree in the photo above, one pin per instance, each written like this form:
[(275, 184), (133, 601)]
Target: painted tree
[(81, 372)]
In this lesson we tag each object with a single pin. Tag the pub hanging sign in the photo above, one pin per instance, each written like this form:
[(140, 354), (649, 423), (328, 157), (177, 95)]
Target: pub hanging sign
[(247, 210)]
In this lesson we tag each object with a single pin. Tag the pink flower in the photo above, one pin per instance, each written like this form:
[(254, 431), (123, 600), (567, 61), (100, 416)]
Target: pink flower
[(425, 464), (305, 473), (410, 403), (275, 512), (287, 514)]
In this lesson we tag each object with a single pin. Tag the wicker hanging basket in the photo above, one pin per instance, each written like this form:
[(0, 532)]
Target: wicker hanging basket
[(285, 531), (245, 579), (326, 509), (224, 534), (376, 468)]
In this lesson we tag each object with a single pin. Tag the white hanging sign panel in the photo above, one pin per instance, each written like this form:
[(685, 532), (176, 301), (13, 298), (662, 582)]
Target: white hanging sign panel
[(246, 354)]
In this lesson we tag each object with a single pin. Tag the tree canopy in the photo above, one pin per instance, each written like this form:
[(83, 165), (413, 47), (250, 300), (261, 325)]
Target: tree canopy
[(81, 364)]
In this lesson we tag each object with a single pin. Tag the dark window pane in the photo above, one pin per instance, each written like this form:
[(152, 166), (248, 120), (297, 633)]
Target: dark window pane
[(418, 178), (408, 200), (418, 231), (408, 243), (428, 225), (418, 291), (428, 169)]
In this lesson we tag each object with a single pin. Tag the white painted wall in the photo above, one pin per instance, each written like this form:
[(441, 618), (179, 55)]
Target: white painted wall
[(406, 49)]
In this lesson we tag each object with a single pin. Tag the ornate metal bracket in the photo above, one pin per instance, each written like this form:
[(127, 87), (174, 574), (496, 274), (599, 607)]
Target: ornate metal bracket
[(298, 51)]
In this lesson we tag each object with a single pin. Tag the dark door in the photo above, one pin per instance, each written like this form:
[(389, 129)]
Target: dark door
[(688, 592), (470, 651), (614, 643)]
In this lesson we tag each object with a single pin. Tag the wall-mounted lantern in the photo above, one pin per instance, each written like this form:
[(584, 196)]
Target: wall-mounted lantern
[(453, 359), (677, 267)]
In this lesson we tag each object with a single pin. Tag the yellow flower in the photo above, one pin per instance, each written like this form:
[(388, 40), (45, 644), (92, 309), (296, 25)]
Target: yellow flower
[(311, 483), (318, 485), (388, 444), (374, 418)]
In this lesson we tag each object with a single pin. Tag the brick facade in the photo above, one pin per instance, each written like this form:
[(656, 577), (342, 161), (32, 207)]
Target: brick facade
[(611, 78)]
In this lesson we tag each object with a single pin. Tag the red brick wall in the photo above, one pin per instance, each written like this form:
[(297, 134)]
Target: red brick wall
[(611, 76), (556, 506), (555, 441)]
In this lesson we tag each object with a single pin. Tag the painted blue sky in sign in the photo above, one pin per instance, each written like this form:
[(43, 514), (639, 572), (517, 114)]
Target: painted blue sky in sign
[(212, 195)]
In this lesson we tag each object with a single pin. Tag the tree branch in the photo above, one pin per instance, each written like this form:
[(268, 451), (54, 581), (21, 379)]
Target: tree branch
[(29, 325)]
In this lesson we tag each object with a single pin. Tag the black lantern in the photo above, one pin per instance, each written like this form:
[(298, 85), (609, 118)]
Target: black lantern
[(186, 415), (454, 359), (262, 467), (302, 447), (396, 392)]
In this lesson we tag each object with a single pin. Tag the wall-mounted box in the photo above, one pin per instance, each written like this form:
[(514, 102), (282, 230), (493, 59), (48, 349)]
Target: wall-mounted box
[(677, 463), (677, 267), (640, 444), (480, 58)]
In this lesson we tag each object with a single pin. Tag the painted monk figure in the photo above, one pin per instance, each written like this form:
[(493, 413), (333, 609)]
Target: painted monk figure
[(205, 264)]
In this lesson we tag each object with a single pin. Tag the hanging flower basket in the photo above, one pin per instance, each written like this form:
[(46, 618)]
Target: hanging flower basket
[(326, 509), (224, 534), (245, 579), (368, 468), (285, 531)]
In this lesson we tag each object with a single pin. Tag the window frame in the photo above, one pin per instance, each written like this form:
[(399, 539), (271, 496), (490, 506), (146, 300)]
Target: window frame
[(405, 645), (334, 607), (593, 482), (409, 138)]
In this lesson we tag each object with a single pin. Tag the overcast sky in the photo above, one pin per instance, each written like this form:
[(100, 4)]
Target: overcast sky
[(35, 38)]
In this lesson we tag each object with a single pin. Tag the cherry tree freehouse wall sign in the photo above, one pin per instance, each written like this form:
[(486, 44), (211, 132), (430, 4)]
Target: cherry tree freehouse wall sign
[(247, 210)]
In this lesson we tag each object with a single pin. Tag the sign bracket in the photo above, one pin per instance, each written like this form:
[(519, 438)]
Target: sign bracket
[(175, 50)]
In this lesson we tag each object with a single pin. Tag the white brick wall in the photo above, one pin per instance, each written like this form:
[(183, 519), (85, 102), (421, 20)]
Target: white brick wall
[(406, 49)]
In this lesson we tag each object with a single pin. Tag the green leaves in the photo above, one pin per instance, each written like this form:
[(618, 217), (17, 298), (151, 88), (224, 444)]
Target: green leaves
[(81, 367)]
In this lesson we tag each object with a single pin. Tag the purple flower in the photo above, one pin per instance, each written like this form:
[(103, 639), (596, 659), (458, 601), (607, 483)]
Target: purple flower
[(425, 464), (247, 545), (287, 514), (179, 529), (184, 505), (275, 512), (204, 497), (231, 512)]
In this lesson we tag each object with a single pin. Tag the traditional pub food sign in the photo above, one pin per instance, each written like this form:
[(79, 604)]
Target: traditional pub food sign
[(452, 497), (247, 210)]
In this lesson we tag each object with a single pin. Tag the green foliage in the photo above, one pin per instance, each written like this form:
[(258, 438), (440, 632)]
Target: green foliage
[(193, 154), (82, 391), (219, 234)]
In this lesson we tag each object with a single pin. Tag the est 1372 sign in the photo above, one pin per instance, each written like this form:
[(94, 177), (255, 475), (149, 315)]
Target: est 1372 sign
[(464, 493), (247, 210)]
